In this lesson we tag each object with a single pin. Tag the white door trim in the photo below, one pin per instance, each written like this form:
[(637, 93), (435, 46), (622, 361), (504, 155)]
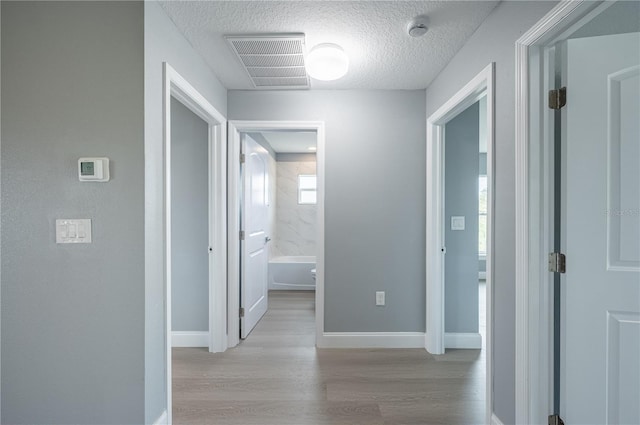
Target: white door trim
[(235, 128), (179, 88), (534, 207), (482, 83)]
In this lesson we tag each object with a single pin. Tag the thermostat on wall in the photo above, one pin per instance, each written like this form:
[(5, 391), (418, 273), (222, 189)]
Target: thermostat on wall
[(93, 169)]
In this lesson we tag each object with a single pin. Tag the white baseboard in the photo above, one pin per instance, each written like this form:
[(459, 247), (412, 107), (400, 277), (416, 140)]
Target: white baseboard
[(189, 339), (275, 286), (495, 420), (371, 340), (163, 419), (463, 340)]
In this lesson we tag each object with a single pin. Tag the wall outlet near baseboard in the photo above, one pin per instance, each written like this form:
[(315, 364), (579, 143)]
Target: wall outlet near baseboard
[(379, 297)]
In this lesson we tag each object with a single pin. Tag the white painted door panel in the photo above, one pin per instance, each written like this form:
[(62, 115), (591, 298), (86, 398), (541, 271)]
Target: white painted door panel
[(254, 261), (600, 320)]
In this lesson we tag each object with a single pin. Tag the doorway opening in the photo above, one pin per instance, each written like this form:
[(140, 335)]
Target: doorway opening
[(278, 214), (465, 227), (460, 221), (276, 207), (189, 228), (200, 130)]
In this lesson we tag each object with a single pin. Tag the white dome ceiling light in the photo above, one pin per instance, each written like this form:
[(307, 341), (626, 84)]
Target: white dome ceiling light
[(327, 62), (418, 26)]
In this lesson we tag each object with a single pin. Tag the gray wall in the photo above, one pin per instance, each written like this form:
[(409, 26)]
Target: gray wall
[(494, 41), (374, 199), (461, 199), (482, 162), (189, 220), (72, 315), (162, 42)]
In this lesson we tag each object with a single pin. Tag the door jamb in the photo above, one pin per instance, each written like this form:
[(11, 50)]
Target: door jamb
[(179, 88), (235, 127), (482, 83), (534, 207)]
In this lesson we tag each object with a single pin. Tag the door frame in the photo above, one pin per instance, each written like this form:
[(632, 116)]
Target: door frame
[(179, 88), (481, 85), (535, 67), (234, 198)]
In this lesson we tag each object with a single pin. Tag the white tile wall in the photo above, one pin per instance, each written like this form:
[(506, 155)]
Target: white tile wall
[(295, 231)]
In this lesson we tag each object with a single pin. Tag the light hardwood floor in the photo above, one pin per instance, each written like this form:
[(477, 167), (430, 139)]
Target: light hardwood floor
[(277, 376)]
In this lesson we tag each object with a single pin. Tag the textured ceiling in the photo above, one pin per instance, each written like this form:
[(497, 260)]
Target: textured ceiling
[(373, 33)]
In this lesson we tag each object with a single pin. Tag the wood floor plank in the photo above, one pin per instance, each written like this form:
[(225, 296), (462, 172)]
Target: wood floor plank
[(278, 413), (443, 412), (406, 389), (249, 388), (277, 376)]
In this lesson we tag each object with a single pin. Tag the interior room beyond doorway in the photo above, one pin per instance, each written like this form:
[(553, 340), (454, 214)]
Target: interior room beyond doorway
[(465, 233), (278, 217)]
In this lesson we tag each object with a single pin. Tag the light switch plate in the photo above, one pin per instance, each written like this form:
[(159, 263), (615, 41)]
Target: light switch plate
[(457, 222), (73, 230)]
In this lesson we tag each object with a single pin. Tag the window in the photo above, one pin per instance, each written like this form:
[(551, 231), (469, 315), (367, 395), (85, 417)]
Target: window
[(307, 186), (482, 215)]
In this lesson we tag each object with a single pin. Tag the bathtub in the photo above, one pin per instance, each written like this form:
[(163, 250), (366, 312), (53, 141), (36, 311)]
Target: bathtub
[(292, 273)]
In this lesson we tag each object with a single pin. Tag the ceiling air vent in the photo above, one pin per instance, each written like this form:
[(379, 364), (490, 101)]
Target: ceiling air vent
[(272, 61)]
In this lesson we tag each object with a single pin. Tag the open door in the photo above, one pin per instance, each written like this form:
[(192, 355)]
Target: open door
[(600, 292), (253, 246)]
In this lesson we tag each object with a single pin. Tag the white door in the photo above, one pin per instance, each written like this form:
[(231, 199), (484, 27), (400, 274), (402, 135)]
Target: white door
[(600, 319), (254, 258)]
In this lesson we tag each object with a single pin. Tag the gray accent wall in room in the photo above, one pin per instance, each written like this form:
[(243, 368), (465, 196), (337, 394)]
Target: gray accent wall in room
[(162, 43), (72, 315), (461, 169), (189, 220), (374, 199), (494, 41)]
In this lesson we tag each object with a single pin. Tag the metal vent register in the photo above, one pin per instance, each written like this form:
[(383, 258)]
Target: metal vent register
[(272, 61)]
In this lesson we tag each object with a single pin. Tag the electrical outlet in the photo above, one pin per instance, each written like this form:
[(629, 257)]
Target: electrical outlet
[(379, 297)]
